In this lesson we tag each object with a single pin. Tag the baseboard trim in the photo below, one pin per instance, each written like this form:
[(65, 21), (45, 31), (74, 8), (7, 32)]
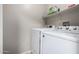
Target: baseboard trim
[(6, 52), (27, 52)]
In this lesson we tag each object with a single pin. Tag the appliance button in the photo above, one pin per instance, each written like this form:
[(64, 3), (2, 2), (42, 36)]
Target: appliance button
[(74, 28), (67, 28), (43, 35)]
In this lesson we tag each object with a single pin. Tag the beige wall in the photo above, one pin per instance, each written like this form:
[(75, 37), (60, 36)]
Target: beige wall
[(18, 22), (1, 29), (71, 15)]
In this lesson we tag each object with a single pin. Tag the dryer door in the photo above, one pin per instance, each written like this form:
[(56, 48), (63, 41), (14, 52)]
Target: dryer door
[(57, 45)]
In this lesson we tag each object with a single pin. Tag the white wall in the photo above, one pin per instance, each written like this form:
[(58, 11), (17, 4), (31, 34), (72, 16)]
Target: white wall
[(71, 15), (0, 28), (18, 22)]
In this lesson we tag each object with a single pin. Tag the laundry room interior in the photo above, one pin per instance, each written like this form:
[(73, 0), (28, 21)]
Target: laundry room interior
[(40, 29)]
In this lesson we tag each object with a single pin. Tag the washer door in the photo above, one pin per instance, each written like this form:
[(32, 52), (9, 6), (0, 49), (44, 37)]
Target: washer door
[(57, 45)]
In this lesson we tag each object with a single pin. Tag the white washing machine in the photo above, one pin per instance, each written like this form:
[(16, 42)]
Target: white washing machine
[(58, 40)]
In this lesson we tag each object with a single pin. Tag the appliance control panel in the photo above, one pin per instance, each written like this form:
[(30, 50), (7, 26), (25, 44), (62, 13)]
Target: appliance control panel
[(67, 28)]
